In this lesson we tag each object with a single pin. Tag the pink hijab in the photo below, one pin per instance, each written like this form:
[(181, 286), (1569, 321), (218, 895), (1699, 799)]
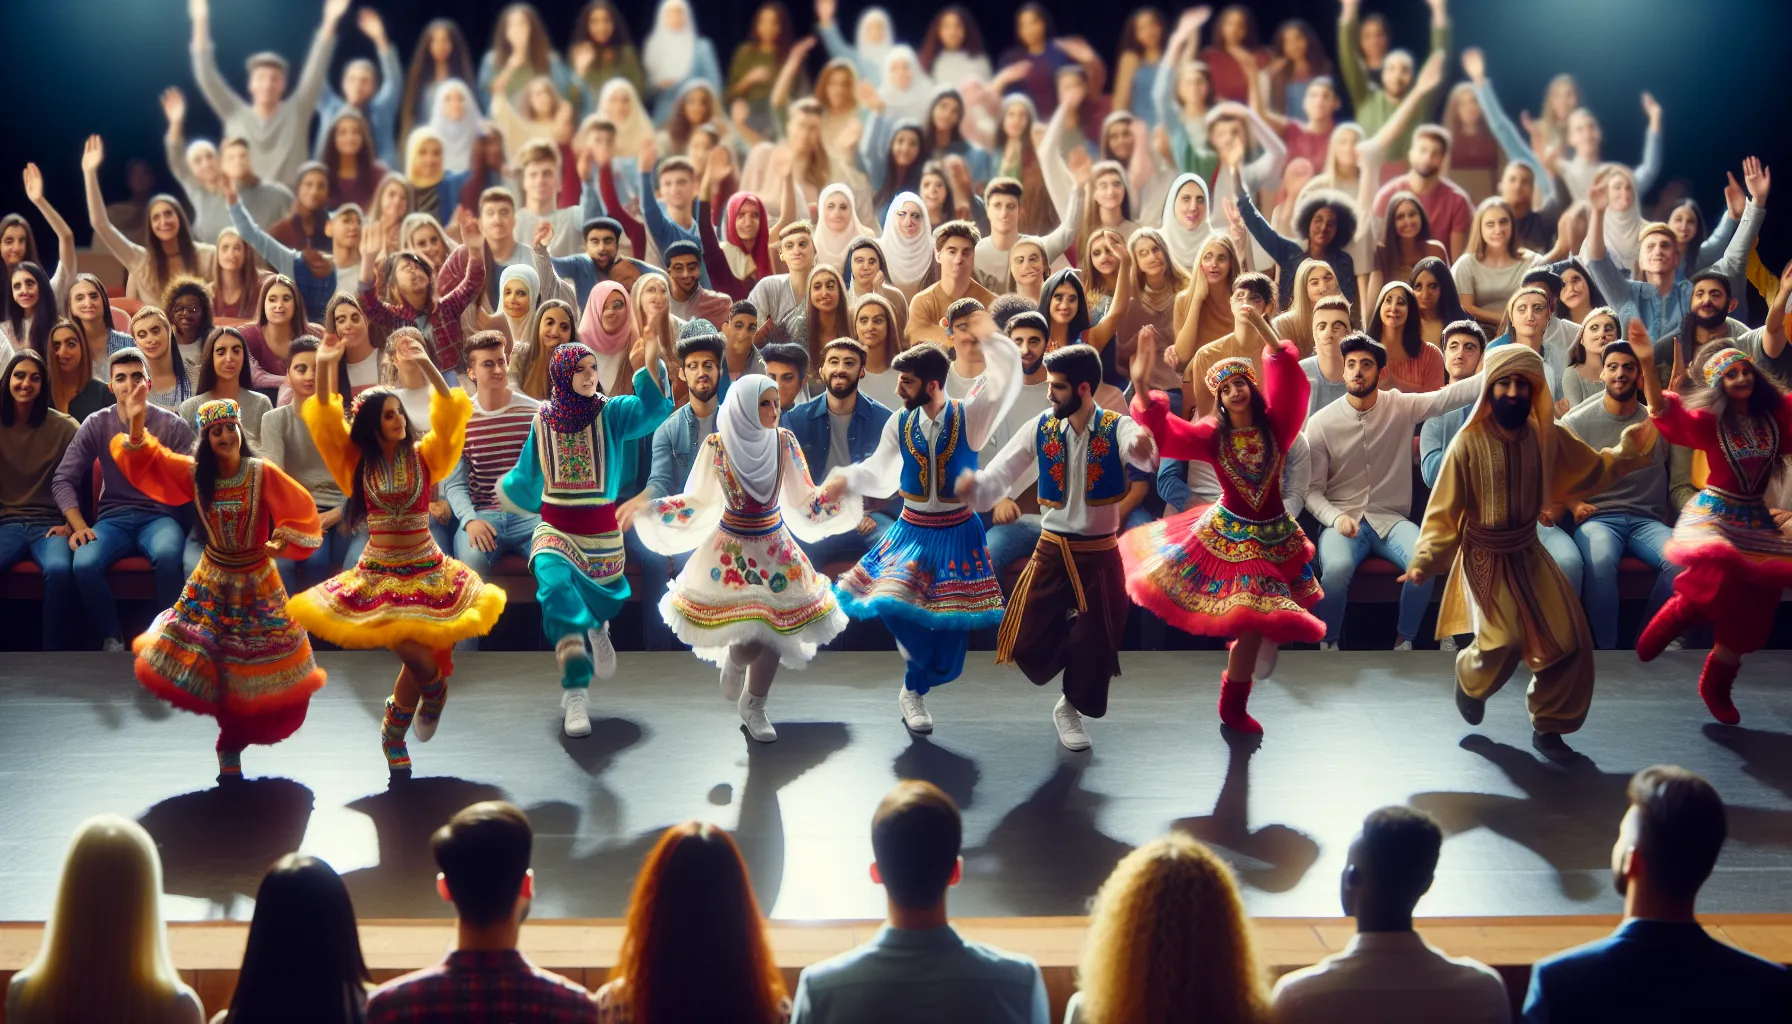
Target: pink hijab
[(591, 325)]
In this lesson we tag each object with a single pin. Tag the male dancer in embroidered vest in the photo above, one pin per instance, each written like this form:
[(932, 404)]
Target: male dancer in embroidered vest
[(931, 579), (1737, 558), (1068, 608), (567, 474), (227, 648), (1508, 464)]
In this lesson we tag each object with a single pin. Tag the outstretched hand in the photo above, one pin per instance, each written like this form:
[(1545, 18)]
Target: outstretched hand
[(1474, 65), (174, 105), (1734, 197), (1144, 359), (34, 183), (1758, 179), (93, 154), (1416, 577)]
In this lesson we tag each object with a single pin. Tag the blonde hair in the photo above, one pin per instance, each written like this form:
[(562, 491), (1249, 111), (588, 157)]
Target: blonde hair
[(1168, 941), (1477, 245), (1296, 322), (105, 951)]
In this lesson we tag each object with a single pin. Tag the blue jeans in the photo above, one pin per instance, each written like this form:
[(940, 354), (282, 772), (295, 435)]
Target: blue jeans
[(153, 535), (851, 544), (52, 555), (1012, 542), (1561, 547), (1339, 557), (1603, 540), (514, 534), (324, 563)]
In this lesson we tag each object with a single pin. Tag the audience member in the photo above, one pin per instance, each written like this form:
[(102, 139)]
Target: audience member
[(303, 957), (33, 438), (837, 429), (501, 422)]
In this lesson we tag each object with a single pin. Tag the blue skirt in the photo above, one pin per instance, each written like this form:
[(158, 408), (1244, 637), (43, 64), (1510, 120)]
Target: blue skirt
[(932, 569)]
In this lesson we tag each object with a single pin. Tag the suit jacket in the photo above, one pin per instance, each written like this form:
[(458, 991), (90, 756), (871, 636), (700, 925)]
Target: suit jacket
[(809, 422), (1657, 971)]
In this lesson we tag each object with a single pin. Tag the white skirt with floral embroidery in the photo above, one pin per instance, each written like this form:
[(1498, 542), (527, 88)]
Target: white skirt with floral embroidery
[(755, 587)]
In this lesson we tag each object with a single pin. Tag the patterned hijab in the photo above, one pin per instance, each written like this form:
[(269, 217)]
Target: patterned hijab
[(566, 411)]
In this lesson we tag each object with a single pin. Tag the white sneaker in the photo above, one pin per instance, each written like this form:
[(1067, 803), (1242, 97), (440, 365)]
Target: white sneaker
[(578, 713), (752, 713), (1266, 660), (1070, 726), (734, 678), (603, 652), (1448, 643), (113, 645), (1675, 644), (914, 710), (1327, 647), (1404, 645)]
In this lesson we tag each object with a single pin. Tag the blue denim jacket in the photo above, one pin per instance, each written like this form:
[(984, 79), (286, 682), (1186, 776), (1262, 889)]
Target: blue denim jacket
[(675, 444), (809, 422)]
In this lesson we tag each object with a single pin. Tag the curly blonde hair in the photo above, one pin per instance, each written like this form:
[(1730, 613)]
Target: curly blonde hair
[(1168, 942)]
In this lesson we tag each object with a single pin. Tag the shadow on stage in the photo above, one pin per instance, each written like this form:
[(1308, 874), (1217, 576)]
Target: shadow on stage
[(1273, 858), (217, 843)]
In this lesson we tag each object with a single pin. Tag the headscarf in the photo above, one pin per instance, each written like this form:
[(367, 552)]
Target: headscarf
[(520, 329), (908, 259), (744, 261), (1624, 228), (1185, 242), (1502, 360), (420, 135), (830, 245), (637, 129), (591, 327), (751, 446), (873, 54), (458, 136), (670, 55), (566, 411), (911, 103)]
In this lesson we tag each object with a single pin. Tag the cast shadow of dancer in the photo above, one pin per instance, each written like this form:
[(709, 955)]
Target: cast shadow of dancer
[(1046, 857), (1766, 756), (1272, 858), (404, 816), (217, 843), (956, 775)]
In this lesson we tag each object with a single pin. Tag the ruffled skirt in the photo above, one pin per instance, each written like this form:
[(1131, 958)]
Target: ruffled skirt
[(398, 594), (1731, 550), (756, 587), (1212, 573), (932, 569)]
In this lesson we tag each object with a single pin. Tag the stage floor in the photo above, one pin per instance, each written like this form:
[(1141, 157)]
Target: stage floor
[(1347, 732)]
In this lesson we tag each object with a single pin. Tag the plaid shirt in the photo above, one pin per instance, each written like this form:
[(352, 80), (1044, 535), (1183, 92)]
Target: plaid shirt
[(472, 987), (441, 328)]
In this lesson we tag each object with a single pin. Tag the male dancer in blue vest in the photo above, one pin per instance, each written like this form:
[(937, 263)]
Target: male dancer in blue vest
[(931, 580), (1069, 606)]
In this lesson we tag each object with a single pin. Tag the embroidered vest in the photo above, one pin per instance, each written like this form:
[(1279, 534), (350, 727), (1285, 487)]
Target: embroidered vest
[(925, 477), (1105, 477), (575, 495)]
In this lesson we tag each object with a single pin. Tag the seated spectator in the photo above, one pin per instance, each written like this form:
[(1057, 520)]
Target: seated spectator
[(601, 260), (483, 852), (33, 438), (740, 353), (224, 373), (1387, 972), (787, 364), (1325, 367), (1253, 297), (695, 948), (841, 428), (105, 952), (286, 442), (126, 522), (917, 967), (1660, 965), (954, 245), (303, 957), (502, 420), (1168, 940)]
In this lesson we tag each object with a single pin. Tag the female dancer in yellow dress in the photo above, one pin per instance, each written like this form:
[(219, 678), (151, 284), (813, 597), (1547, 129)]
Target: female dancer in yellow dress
[(403, 594), (227, 648)]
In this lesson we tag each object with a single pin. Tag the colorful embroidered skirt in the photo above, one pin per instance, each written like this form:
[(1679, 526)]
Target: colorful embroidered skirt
[(1212, 573), (933, 568), (596, 562), (750, 583), (228, 649), (1719, 533), (398, 594)]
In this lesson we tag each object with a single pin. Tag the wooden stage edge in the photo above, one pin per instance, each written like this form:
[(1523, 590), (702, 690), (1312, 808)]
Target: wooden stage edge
[(208, 953)]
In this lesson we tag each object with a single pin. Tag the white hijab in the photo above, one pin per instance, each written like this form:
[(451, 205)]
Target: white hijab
[(669, 55), (1185, 242), (908, 259), (1624, 228), (457, 135), (637, 128), (751, 446), (873, 54), (911, 103), (830, 245), (521, 331)]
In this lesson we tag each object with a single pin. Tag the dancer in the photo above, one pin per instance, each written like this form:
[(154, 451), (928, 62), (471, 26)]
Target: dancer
[(750, 601), (1069, 606), (567, 474), (931, 580), (1240, 567), (403, 593), (1507, 465), (227, 647), (1737, 558)]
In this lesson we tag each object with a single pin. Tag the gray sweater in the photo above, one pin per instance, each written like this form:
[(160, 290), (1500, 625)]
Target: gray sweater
[(1642, 493), (286, 442), (278, 145)]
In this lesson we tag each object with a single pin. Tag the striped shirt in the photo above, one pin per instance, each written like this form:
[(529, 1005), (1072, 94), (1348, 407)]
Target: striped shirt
[(495, 438), (477, 986)]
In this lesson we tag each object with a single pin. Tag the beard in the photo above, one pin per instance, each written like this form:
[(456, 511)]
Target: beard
[(1626, 394), (704, 393), (1367, 387), (1068, 408), (1029, 369), (841, 386), (916, 400), (1510, 413), (1709, 322)]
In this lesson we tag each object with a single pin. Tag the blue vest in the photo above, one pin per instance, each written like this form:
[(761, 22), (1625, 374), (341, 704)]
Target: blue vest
[(1105, 478), (954, 457)]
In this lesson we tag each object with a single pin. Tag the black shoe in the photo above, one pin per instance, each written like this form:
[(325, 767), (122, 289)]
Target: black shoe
[(1552, 746), (1472, 710)]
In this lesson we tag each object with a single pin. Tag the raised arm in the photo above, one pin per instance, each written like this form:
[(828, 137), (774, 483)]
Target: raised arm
[(1650, 169), (1176, 437), (1052, 167), (1511, 141), (1773, 334), (317, 61), (995, 393), (223, 99), (1267, 167), (162, 475), (65, 235), (1418, 99), (1350, 59), (282, 258), (1758, 179), (122, 249), (1280, 247), (1286, 390)]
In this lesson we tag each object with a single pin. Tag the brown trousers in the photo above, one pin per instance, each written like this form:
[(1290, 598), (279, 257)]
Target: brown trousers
[(1066, 616)]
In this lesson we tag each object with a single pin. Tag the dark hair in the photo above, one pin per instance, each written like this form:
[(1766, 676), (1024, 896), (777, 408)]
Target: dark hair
[(1577, 352), (1595, 297), (672, 163), (780, 45), (1008, 306), (1465, 326), (1080, 363), (1399, 851), (208, 367), (483, 852), (1618, 347), (40, 406), (1700, 232), (695, 948), (303, 957), (743, 306), (1389, 250), (1258, 285), (93, 279), (899, 179), (421, 74), (1543, 277), (300, 345), (956, 229), (1079, 321), (1412, 333), (1129, 31), (1768, 395), (929, 133), (856, 346), (300, 315), (961, 308), (1680, 828), (1317, 61), (364, 434), (43, 319), (540, 52), (1028, 318), (1449, 300), (183, 237), (1343, 212), (191, 287), (973, 36), (19, 220), (1712, 275), (581, 29), (1357, 341), (1003, 186), (925, 362), (711, 343), (916, 833), (789, 353), (332, 157), (205, 461), (479, 342)]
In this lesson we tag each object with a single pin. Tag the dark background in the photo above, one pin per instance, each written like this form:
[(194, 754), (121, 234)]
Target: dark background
[(1717, 66)]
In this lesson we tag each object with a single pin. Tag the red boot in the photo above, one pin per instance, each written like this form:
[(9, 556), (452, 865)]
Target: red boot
[(1671, 620), (1714, 685), (1233, 697)]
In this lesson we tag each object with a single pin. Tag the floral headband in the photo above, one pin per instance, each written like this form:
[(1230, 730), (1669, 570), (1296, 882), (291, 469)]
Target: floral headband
[(1720, 364), (219, 410), (1226, 369)]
